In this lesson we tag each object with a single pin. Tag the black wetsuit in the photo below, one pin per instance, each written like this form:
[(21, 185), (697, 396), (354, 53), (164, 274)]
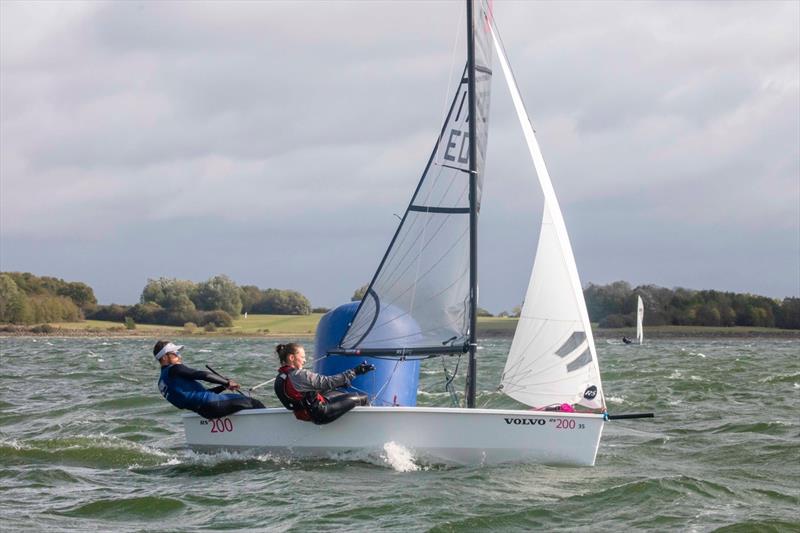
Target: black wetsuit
[(179, 385), (313, 397)]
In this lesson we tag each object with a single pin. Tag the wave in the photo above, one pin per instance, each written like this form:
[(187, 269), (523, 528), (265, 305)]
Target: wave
[(100, 451), (781, 378), (748, 526), (122, 509), (129, 401), (393, 455), (576, 512), (774, 427)]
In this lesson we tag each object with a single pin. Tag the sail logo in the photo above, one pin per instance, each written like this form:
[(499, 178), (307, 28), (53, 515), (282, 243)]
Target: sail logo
[(525, 421), (460, 140), (590, 393)]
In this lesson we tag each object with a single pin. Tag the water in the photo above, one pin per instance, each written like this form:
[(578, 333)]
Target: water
[(86, 442)]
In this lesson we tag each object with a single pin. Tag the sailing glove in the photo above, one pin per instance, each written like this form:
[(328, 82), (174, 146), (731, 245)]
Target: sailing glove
[(363, 368)]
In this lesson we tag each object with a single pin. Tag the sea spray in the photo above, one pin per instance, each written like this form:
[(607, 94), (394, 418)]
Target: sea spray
[(399, 457)]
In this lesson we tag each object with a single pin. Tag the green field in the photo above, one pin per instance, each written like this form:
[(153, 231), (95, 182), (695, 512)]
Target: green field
[(276, 324), (302, 325), (252, 325), (103, 325), (259, 325), (495, 326)]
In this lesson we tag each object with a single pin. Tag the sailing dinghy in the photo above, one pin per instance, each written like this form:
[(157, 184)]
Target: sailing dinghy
[(428, 278)]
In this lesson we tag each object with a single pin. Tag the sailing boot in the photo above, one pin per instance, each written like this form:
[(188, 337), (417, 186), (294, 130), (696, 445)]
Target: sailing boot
[(361, 399)]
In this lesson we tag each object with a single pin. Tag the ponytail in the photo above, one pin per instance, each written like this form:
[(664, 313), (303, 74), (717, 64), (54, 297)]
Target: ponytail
[(285, 350)]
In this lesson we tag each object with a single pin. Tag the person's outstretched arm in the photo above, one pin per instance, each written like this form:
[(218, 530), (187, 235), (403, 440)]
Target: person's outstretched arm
[(183, 371), (307, 381)]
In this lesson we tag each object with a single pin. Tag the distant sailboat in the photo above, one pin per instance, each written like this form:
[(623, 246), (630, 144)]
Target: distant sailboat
[(639, 319)]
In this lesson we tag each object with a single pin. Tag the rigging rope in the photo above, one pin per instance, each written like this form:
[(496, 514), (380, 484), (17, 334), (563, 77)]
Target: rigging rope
[(448, 386), (380, 391)]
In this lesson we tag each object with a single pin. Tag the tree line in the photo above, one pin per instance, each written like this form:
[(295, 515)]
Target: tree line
[(217, 301), (614, 306), (29, 299)]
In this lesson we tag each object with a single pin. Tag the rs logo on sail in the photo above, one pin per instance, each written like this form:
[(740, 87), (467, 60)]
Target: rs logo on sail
[(525, 421)]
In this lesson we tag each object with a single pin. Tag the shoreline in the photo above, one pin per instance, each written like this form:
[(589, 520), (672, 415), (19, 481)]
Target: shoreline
[(660, 332), (151, 333)]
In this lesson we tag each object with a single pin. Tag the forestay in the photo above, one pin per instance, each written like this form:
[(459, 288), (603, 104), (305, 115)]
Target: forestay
[(552, 358), (418, 300)]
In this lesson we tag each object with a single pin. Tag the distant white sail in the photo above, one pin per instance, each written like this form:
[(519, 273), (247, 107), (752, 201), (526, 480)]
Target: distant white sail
[(639, 319), (552, 358)]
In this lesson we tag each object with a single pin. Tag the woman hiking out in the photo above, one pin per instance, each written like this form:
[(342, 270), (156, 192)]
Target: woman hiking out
[(311, 396), (180, 386)]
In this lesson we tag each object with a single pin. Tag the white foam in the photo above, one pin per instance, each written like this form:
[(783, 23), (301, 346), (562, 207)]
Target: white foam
[(615, 399), (779, 377), (399, 457), (222, 456), (104, 440), (14, 443)]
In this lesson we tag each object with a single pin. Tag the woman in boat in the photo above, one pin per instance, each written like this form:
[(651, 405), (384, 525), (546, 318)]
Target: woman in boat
[(311, 396), (180, 386)]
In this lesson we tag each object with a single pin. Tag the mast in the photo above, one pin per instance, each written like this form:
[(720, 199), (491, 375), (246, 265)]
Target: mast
[(473, 209)]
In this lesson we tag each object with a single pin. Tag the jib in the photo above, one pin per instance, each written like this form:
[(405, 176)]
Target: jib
[(525, 421)]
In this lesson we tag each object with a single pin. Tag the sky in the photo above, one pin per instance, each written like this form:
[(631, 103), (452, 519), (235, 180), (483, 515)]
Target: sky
[(274, 142)]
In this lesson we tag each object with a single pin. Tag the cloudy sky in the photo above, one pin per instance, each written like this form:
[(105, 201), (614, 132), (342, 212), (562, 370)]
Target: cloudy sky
[(274, 141)]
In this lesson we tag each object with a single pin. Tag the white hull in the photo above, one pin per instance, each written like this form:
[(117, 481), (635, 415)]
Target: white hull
[(431, 434)]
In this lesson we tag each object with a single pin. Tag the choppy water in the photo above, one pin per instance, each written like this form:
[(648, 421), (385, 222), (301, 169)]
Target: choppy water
[(87, 443)]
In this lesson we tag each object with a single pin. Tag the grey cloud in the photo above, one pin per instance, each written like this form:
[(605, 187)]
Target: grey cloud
[(242, 132)]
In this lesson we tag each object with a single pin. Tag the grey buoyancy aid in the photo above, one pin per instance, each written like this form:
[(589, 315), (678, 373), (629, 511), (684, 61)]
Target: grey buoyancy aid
[(298, 402)]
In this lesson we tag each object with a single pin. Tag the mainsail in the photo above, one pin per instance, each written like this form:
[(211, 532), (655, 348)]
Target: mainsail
[(639, 319), (552, 358), (418, 302)]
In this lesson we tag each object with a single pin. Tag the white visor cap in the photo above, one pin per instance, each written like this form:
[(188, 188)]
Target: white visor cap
[(169, 348)]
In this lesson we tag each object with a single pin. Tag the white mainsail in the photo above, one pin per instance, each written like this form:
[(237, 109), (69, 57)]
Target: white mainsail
[(639, 319), (418, 300), (552, 358)]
